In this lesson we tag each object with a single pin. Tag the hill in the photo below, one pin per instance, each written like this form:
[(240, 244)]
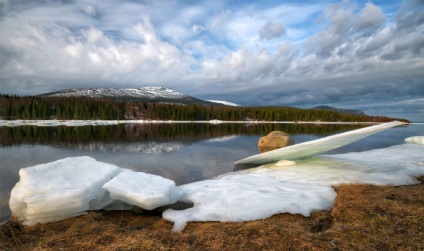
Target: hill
[(151, 94), (342, 111)]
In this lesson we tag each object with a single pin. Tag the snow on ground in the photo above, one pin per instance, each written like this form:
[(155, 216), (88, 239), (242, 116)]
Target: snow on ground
[(71, 186), (227, 103), (297, 189)]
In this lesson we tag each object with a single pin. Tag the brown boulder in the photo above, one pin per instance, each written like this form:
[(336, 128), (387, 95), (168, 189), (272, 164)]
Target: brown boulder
[(274, 140)]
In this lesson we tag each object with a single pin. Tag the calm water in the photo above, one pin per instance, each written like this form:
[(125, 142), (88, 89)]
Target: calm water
[(181, 152)]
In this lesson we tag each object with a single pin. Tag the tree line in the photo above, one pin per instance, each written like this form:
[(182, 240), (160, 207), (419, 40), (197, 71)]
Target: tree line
[(82, 108)]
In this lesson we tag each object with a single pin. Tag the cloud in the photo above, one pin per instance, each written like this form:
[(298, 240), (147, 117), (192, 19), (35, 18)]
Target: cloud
[(272, 30), (53, 54), (369, 19), (273, 53), (345, 26), (89, 10)]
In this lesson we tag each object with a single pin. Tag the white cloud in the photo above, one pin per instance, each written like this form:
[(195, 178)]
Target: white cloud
[(214, 47), (196, 28), (89, 10), (91, 56)]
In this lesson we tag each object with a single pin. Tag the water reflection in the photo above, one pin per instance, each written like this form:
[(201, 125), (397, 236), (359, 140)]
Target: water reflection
[(124, 133)]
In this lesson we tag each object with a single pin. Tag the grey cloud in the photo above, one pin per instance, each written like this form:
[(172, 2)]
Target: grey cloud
[(369, 19), (344, 28), (272, 30), (407, 21), (410, 16), (323, 44), (371, 46), (354, 95), (409, 45), (89, 10), (358, 58), (340, 16), (412, 43)]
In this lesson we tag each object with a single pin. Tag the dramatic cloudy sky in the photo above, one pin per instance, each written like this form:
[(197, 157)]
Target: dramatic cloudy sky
[(365, 55)]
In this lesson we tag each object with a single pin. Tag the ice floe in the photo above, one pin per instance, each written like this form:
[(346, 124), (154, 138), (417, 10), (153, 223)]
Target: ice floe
[(61, 189), (314, 147), (70, 187), (144, 190), (415, 140)]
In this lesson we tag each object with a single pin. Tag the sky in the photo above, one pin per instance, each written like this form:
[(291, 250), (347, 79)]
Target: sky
[(366, 55)]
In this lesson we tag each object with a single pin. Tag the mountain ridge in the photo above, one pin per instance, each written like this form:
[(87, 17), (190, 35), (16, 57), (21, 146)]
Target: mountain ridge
[(159, 94), (151, 94)]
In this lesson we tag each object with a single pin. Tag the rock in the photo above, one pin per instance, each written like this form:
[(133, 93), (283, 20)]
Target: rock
[(274, 140), (137, 210)]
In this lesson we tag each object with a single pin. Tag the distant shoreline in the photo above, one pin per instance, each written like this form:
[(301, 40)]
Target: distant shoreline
[(13, 123)]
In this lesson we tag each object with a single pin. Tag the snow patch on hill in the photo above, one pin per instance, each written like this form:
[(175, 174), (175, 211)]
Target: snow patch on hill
[(223, 102), (150, 92)]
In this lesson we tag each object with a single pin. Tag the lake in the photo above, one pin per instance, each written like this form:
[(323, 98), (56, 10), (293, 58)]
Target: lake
[(183, 152)]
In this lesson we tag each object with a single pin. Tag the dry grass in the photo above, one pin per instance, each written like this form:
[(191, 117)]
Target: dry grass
[(365, 217)]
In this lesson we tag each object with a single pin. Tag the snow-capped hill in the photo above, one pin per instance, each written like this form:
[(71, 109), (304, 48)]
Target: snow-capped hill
[(154, 94), (150, 94), (223, 102), (154, 91), (145, 92)]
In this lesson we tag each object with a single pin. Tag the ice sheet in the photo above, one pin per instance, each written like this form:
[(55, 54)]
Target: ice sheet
[(415, 140), (298, 189), (70, 187), (315, 147), (61, 189), (144, 190)]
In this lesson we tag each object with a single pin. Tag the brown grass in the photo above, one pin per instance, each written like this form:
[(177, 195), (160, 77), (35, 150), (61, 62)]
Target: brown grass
[(365, 217)]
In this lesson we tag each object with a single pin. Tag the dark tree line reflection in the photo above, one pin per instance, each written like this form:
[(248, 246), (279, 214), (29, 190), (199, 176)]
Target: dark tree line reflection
[(122, 133)]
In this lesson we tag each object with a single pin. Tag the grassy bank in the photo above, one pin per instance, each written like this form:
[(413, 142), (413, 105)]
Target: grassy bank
[(365, 217)]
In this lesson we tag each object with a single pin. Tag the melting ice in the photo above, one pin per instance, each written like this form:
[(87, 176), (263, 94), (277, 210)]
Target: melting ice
[(61, 189), (143, 190), (71, 186), (297, 189)]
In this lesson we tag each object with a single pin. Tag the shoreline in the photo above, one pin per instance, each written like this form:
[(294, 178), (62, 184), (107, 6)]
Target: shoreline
[(46, 123), (364, 217)]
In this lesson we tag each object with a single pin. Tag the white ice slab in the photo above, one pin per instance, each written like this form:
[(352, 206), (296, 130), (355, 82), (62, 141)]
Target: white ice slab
[(144, 190), (298, 189), (70, 187), (315, 147), (61, 189), (415, 140)]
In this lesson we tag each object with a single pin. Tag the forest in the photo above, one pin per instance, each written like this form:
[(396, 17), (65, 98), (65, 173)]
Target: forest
[(82, 108)]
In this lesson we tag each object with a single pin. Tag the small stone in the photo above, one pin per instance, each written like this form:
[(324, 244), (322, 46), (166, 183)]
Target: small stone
[(136, 210)]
